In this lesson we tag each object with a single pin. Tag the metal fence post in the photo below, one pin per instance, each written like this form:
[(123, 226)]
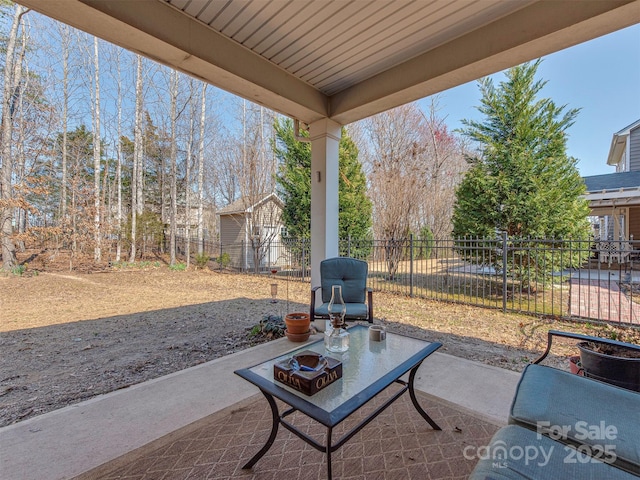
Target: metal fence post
[(303, 264), (244, 256), (504, 271), (411, 264)]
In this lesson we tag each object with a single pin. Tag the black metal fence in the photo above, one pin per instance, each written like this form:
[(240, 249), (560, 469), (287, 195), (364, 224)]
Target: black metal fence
[(589, 279)]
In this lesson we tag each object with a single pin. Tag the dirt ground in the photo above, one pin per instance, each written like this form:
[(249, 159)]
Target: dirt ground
[(66, 337)]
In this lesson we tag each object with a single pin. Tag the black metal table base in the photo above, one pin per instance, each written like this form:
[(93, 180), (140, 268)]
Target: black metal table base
[(279, 419)]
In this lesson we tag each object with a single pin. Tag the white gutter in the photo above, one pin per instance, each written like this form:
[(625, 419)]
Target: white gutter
[(614, 194)]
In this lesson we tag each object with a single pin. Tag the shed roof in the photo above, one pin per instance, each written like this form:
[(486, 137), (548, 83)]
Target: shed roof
[(248, 203)]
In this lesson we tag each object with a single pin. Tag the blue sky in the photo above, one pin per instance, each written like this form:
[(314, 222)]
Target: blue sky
[(601, 77)]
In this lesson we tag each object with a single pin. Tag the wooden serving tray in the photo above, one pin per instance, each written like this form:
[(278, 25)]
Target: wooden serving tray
[(308, 372)]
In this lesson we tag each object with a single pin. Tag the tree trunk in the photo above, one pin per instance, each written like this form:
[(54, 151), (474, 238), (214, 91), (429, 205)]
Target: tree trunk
[(97, 251), (201, 172), (20, 157), (119, 167), (187, 180), (137, 154), (65, 34), (174, 169), (9, 260)]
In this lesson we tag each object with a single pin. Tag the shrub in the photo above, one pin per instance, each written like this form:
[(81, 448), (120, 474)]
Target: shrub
[(178, 267), (271, 326), (224, 260), (18, 270), (202, 260)]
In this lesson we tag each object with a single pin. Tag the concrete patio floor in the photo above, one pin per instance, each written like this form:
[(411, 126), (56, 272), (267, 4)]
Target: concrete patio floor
[(73, 440)]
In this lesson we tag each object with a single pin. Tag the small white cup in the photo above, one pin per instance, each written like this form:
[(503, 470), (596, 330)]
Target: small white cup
[(377, 333)]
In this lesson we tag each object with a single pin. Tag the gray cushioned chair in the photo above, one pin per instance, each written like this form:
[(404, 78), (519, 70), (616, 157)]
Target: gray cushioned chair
[(351, 275), (545, 459)]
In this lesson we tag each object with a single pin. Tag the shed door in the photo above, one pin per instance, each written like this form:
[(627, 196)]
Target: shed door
[(270, 235)]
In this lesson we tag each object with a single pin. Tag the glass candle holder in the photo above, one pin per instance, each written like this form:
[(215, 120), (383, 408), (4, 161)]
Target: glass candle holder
[(336, 337)]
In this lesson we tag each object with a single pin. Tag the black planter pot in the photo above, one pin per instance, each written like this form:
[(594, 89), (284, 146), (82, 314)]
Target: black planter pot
[(620, 371)]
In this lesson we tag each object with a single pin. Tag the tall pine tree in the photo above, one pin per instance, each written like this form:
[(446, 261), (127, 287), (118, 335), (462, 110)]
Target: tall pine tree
[(523, 182), (294, 185)]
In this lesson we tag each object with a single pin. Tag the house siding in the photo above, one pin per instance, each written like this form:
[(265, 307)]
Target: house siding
[(238, 246), (634, 150), (232, 233), (634, 225), (231, 229)]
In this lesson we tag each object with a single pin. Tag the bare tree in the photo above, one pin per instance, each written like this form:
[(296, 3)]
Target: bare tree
[(414, 165), (174, 170), (444, 167), (136, 186), (10, 94), (97, 153), (394, 176), (254, 173), (65, 39), (203, 107), (187, 175), (116, 60)]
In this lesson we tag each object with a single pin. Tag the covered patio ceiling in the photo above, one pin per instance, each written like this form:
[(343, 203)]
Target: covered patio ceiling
[(343, 60)]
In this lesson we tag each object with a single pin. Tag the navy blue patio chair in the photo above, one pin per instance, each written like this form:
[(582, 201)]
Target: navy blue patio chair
[(351, 275)]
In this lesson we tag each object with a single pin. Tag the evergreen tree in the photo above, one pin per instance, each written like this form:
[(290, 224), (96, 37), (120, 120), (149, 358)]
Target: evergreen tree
[(523, 183), (294, 182), (355, 207), (294, 179)]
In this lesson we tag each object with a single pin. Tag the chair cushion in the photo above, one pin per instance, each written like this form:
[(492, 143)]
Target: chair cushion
[(519, 453), (349, 273), (584, 412), (354, 311)]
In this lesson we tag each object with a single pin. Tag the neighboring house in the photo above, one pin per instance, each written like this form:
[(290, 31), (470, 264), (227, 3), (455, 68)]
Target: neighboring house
[(251, 231), (182, 219), (208, 218), (614, 198)]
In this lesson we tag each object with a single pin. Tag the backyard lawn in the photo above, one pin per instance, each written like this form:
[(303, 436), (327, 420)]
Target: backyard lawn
[(68, 336)]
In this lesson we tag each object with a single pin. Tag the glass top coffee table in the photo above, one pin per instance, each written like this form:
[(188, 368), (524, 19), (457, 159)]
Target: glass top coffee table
[(368, 367)]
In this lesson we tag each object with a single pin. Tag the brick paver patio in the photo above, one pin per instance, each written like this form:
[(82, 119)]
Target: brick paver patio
[(397, 445), (602, 299)]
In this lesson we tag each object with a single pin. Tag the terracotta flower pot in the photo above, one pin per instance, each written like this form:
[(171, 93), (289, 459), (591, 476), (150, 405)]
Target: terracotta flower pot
[(575, 366), (298, 337), (297, 323)]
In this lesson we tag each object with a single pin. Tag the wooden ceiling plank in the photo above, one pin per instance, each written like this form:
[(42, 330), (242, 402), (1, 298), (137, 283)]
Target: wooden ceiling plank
[(317, 37), (399, 44), (343, 37), (288, 19), (262, 21)]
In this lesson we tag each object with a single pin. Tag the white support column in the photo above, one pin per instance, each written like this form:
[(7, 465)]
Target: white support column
[(325, 136)]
